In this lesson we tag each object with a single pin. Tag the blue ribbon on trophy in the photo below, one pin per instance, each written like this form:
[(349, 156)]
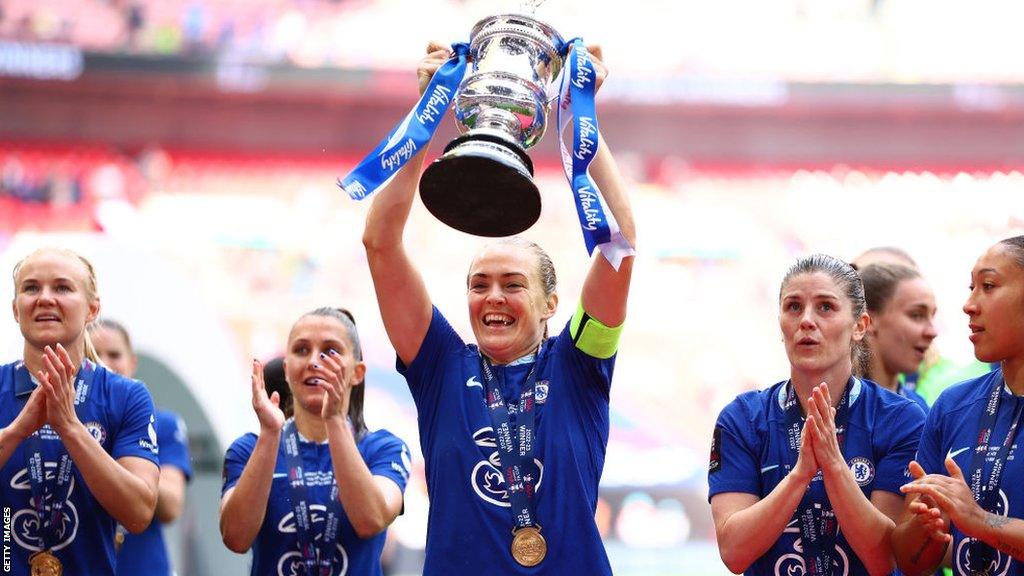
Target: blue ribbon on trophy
[(412, 133), (483, 183), (576, 105)]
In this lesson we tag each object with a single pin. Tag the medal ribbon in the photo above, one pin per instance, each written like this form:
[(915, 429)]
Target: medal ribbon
[(818, 526), (986, 494), (51, 525), (318, 561), (515, 444), (576, 105), (412, 133)]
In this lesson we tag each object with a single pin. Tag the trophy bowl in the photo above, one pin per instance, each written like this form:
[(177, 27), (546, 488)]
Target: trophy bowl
[(483, 182)]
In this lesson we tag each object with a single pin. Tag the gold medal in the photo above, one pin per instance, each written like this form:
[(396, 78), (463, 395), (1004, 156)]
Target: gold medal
[(119, 533), (45, 564), (528, 546)]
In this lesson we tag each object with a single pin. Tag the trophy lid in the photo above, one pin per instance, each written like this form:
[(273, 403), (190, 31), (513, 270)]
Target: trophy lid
[(520, 25)]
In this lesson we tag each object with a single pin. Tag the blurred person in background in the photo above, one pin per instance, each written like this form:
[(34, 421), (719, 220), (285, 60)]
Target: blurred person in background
[(935, 373), (965, 505), (146, 553), (314, 494), (78, 451), (551, 394), (902, 309), (274, 380), (804, 476)]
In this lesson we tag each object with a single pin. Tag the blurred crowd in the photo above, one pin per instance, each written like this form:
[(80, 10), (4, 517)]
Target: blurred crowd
[(798, 40)]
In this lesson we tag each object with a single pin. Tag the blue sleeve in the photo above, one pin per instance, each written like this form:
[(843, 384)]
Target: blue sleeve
[(735, 454), (235, 459), (929, 450), (136, 435), (389, 457), (426, 372), (173, 437), (905, 424)]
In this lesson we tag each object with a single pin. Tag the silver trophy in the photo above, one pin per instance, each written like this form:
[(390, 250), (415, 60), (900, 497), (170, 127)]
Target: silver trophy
[(483, 183)]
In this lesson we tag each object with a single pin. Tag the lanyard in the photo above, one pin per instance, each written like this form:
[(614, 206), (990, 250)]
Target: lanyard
[(818, 526), (986, 491), (515, 444), (318, 561), (51, 526)]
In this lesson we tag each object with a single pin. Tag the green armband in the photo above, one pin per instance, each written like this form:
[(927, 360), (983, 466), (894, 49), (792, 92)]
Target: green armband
[(592, 337)]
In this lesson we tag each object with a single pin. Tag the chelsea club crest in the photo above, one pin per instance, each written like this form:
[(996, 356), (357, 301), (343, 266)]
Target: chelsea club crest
[(863, 470)]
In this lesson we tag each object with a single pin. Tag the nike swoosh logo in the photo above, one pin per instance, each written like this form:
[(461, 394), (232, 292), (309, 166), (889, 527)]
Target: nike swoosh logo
[(767, 468), (952, 454), (473, 382)]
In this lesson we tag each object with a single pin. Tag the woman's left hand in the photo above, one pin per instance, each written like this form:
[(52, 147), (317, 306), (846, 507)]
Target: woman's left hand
[(953, 496), (333, 377), (58, 381), (824, 441)]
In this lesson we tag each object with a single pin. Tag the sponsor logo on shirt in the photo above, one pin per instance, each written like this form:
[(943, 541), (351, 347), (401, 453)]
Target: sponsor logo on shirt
[(486, 478), (290, 563), (998, 564), (24, 524), (792, 563), (150, 443)]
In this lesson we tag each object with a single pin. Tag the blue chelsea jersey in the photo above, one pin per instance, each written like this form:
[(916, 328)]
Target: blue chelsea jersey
[(952, 430), (145, 554), (469, 528), (750, 448), (275, 551), (118, 412)]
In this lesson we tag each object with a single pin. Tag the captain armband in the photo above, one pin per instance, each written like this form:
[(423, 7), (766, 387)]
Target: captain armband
[(592, 337)]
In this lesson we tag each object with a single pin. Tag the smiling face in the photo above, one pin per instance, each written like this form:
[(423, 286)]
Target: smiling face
[(818, 325), (310, 336), (996, 306), (54, 299), (508, 307), (903, 330)]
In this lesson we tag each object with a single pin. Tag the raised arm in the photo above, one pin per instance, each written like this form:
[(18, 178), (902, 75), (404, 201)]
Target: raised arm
[(243, 507), (867, 524), (920, 541), (747, 526), (31, 418), (605, 289), (953, 497), (126, 487), (171, 498), (371, 502), (401, 294)]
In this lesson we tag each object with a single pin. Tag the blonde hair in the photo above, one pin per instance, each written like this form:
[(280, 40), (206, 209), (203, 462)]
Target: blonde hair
[(91, 290)]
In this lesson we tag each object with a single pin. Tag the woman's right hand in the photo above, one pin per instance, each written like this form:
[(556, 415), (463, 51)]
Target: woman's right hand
[(806, 464), (32, 416), (267, 408), (437, 55)]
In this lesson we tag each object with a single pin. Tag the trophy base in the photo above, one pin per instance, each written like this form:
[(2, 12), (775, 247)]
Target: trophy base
[(482, 185)]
